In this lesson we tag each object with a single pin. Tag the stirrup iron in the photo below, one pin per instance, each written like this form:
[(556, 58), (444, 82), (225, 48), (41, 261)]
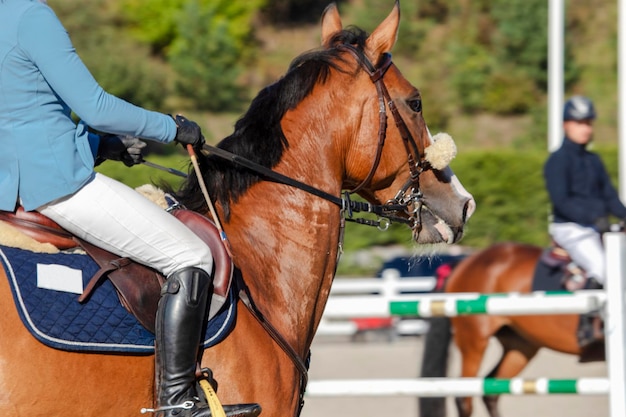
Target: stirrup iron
[(187, 405)]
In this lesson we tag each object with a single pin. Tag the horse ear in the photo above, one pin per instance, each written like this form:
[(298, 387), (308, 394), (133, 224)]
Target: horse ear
[(384, 36), (331, 23)]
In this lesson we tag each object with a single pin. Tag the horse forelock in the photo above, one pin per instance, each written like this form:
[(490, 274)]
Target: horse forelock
[(258, 135)]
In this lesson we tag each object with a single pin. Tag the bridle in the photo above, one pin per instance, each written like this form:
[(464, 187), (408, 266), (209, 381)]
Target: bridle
[(408, 200), (376, 74), (416, 159)]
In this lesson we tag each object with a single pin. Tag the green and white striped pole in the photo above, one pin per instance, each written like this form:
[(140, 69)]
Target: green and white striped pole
[(559, 302), (457, 387), (454, 304)]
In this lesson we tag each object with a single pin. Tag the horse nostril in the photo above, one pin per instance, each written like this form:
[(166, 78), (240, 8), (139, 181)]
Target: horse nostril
[(468, 209)]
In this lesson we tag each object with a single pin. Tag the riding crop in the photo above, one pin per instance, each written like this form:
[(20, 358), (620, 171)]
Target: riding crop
[(205, 193)]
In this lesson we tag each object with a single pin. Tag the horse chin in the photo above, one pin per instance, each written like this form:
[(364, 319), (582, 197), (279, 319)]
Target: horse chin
[(435, 230)]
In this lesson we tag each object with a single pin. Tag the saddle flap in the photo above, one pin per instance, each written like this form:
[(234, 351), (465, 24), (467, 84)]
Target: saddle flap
[(138, 287), (208, 232)]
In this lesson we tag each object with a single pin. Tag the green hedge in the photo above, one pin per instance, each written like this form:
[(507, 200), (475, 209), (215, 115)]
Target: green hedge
[(511, 200)]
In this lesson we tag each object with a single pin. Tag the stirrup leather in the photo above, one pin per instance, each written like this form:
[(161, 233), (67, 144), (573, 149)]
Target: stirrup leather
[(211, 396)]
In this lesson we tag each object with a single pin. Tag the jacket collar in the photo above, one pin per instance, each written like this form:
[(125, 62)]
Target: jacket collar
[(573, 146)]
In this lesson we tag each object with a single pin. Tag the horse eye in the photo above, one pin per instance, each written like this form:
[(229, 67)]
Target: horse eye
[(415, 105)]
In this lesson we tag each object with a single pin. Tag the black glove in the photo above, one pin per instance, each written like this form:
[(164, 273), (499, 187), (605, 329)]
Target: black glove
[(602, 225), (188, 132), (127, 149)]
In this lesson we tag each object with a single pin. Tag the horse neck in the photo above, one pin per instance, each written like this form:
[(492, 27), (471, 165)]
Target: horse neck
[(285, 242)]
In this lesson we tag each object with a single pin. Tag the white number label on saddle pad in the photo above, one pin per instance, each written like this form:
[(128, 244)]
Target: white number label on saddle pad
[(60, 278)]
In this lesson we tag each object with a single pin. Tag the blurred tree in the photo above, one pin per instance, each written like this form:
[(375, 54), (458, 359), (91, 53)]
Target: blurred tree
[(437, 10), (534, 137), (206, 58), (509, 90), (208, 44), (522, 39), (499, 56), (154, 22), (121, 65), (294, 12), (471, 65), (512, 203), (522, 36)]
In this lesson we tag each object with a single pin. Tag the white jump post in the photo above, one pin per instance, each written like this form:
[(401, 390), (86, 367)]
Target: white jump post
[(615, 330)]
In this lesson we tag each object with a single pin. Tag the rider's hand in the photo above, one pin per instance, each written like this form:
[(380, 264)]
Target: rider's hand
[(602, 225), (188, 132), (127, 149)]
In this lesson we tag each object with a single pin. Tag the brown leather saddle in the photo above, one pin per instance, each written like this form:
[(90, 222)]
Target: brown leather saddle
[(138, 286), (590, 331), (574, 277)]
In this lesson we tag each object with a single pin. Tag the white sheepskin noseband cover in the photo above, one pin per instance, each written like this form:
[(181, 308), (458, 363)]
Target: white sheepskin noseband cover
[(441, 152)]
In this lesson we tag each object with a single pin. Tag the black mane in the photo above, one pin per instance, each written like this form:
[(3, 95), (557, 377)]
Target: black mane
[(258, 135)]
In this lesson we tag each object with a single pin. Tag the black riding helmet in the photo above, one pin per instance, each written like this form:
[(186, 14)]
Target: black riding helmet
[(579, 108)]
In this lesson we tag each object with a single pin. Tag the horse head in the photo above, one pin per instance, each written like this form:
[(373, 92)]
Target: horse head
[(410, 168), (343, 117)]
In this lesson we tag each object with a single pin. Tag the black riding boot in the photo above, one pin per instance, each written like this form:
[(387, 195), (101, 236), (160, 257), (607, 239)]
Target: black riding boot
[(593, 284), (590, 332), (179, 322)]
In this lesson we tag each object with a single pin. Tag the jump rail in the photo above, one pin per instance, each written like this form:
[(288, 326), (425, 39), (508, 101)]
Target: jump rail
[(453, 304), (612, 303), (441, 387)]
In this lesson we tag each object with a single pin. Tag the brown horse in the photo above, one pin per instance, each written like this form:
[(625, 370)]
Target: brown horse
[(501, 268), (322, 124)]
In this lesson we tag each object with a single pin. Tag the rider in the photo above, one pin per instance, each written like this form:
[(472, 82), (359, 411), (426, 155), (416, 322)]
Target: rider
[(46, 164), (581, 192)]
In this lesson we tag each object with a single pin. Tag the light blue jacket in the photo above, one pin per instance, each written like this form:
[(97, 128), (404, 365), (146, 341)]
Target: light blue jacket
[(44, 155)]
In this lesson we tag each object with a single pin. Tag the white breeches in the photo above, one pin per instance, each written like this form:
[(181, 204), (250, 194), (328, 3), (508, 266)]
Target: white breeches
[(584, 245), (117, 218)]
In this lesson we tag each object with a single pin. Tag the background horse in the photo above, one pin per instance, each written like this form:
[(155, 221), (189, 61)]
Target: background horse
[(319, 124), (501, 268)]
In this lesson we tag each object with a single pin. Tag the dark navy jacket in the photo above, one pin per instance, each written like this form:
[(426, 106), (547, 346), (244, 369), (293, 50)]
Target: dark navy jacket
[(579, 187)]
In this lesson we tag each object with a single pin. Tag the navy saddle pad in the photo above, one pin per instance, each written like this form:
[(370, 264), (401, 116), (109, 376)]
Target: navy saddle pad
[(46, 287), (547, 277)]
